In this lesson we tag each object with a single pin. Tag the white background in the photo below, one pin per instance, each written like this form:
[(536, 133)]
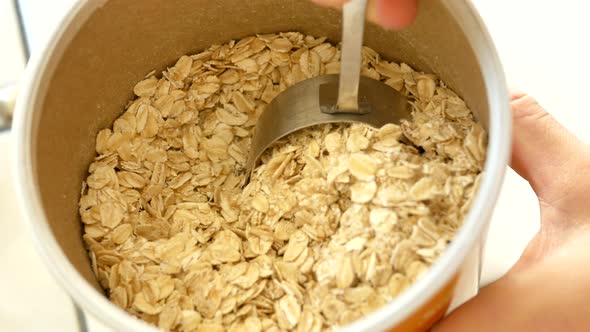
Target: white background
[(544, 49)]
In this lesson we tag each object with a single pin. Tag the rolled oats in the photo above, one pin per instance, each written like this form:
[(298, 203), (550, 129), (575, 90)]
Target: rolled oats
[(336, 221)]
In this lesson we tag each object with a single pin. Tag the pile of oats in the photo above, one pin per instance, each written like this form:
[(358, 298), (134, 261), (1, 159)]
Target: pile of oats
[(336, 221)]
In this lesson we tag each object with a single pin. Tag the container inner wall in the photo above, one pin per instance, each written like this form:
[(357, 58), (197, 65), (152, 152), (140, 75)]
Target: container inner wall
[(87, 88)]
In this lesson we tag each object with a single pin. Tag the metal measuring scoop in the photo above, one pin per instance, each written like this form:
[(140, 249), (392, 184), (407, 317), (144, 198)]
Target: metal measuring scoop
[(346, 97)]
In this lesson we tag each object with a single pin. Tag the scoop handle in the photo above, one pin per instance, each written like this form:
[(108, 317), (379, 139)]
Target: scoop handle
[(353, 25)]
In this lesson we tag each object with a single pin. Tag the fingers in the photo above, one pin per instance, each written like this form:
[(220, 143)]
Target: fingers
[(391, 14), (549, 157), (396, 14)]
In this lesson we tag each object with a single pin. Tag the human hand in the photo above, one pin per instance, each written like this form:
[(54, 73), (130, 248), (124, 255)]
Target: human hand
[(547, 290), (391, 14)]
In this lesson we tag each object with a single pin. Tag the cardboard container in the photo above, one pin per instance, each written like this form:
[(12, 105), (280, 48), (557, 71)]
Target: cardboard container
[(80, 83)]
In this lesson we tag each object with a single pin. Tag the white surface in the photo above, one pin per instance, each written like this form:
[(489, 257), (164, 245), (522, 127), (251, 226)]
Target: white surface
[(11, 57), (31, 300), (542, 47)]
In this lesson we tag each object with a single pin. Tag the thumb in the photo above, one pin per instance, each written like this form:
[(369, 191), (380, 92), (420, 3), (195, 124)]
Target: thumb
[(493, 309), (396, 14), (390, 14), (548, 156), (556, 165), (541, 298)]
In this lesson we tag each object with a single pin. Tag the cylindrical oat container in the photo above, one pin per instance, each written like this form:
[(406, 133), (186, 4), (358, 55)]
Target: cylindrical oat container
[(80, 83)]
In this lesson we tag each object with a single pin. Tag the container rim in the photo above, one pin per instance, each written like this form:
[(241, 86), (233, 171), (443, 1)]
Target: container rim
[(499, 143)]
